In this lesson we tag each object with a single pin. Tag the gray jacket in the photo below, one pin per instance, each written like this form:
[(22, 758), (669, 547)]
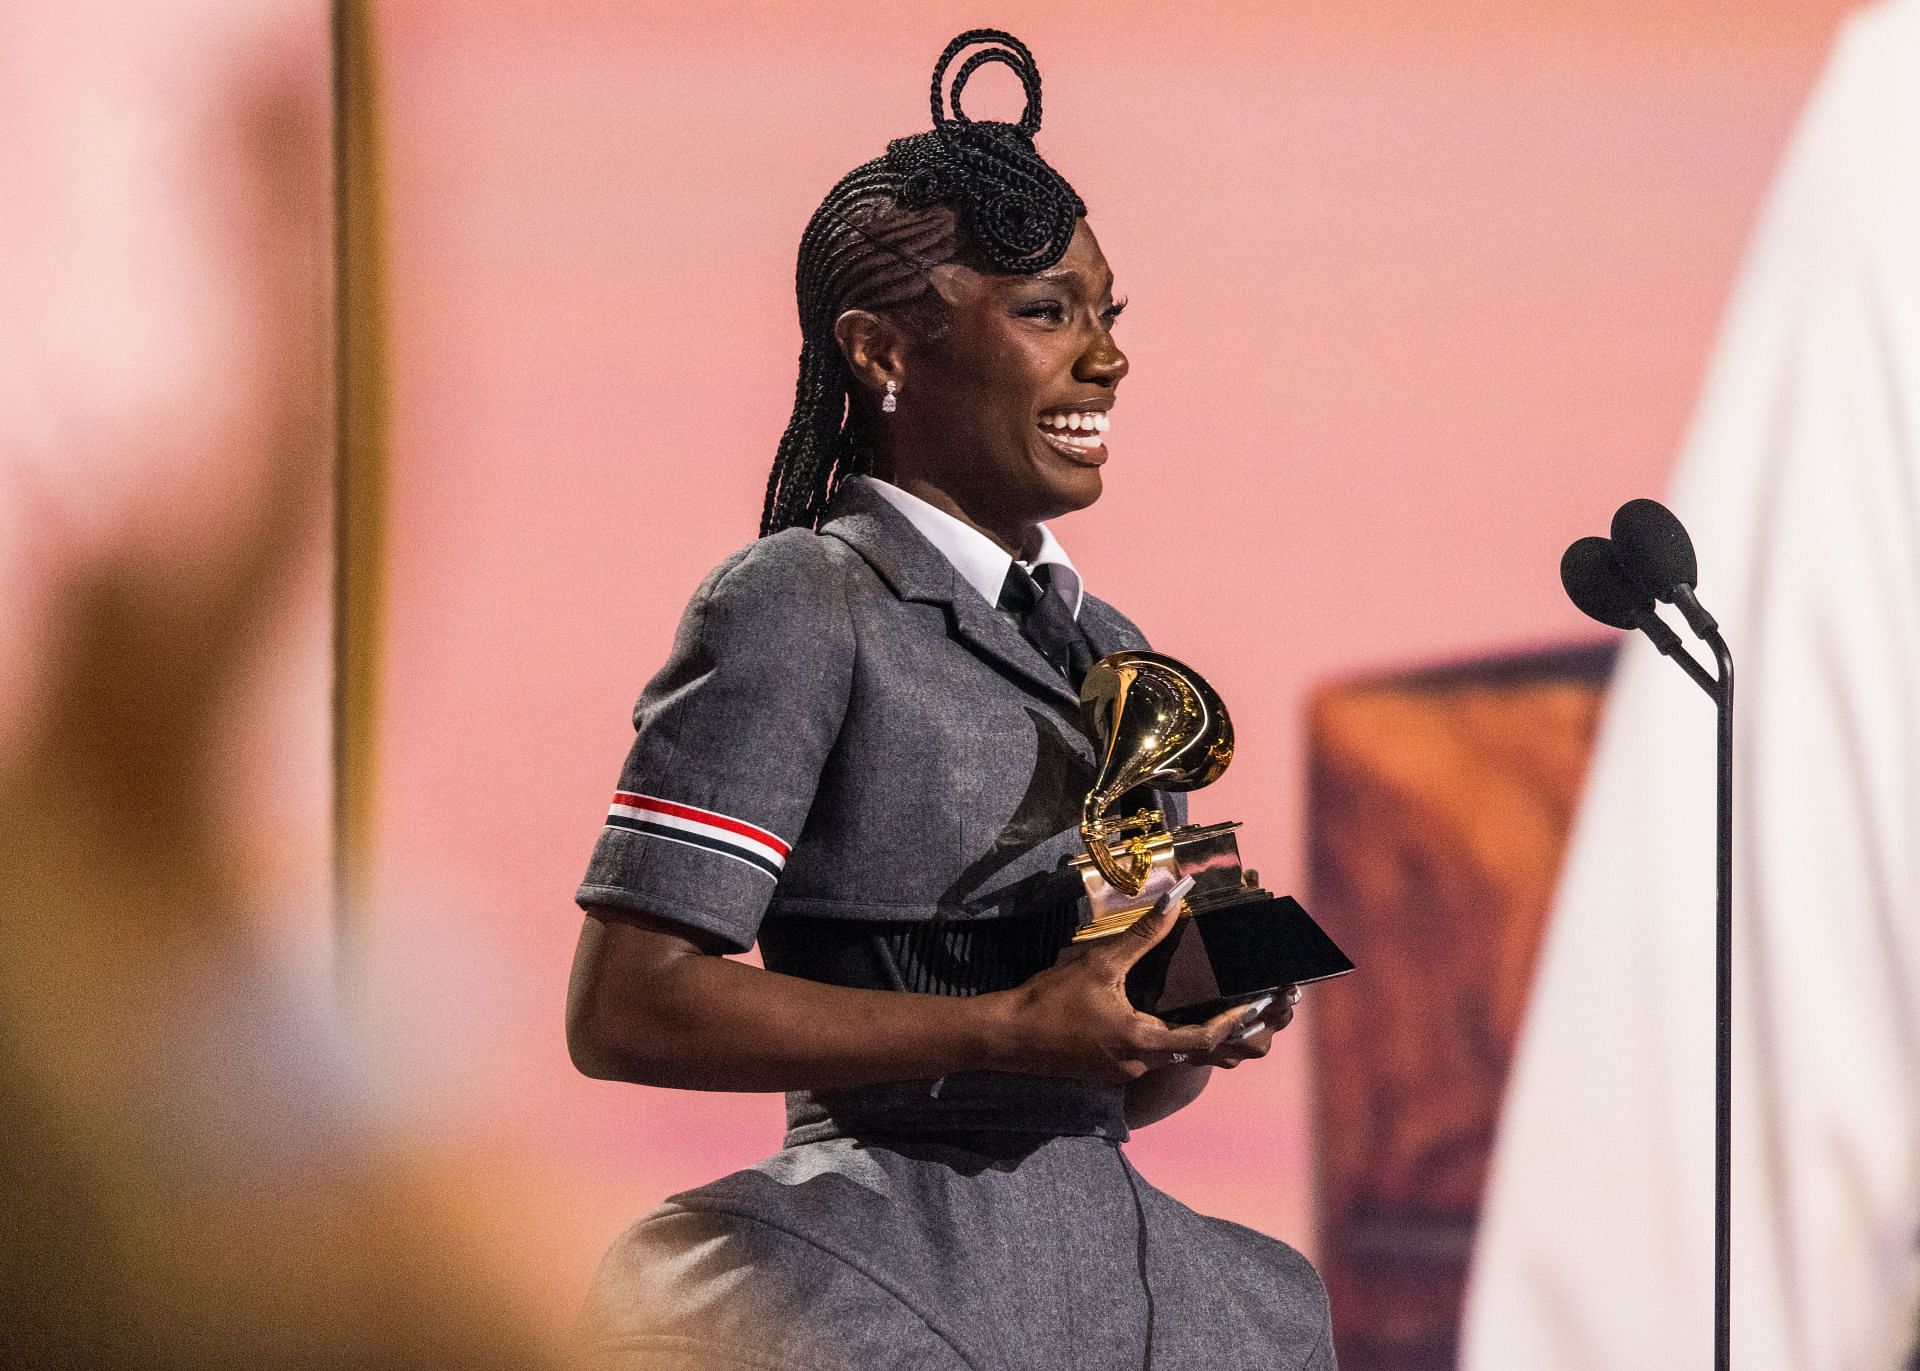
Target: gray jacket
[(845, 728)]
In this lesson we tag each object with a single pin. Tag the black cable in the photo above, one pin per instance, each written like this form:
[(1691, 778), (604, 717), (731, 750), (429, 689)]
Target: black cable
[(1140, 1249)]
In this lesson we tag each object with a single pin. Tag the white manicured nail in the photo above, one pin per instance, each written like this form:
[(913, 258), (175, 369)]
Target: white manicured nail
[(1250, 1019)]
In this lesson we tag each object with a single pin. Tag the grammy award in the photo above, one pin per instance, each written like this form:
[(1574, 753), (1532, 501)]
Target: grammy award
[(1158, 725)]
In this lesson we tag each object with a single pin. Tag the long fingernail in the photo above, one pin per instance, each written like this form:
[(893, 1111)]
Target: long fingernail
[(1175, 894), (1249, 1019)]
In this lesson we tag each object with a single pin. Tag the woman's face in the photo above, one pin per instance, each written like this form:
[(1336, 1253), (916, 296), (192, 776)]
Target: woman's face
[(1006, 412)]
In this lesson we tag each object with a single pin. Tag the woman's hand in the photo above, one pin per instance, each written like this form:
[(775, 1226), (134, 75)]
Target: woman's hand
[(1074, 1019), (1166, 1091), (1254, 1037)]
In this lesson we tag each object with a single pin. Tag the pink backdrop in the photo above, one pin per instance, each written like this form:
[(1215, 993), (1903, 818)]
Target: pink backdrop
[(1418, 295)]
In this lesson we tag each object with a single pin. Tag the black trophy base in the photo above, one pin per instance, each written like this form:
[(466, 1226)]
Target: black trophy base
[(1232, 954)]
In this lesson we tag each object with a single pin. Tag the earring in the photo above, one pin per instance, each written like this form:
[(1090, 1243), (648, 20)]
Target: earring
[(890, 404)]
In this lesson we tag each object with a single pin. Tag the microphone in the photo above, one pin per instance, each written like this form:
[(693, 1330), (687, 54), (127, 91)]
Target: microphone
[(1598, 585), (1616, 580), (1654, 549), (1600, 588)]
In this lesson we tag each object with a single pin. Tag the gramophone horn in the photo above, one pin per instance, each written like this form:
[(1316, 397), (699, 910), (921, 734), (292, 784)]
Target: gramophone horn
[(1158, 723)]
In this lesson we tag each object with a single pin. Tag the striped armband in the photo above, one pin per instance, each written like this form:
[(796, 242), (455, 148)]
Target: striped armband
[(677, 823)]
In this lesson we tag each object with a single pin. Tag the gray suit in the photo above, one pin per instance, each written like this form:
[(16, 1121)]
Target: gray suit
[(847, 731)]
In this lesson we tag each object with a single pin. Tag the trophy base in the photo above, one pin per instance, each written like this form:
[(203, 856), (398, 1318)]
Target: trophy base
[(1232, 953)]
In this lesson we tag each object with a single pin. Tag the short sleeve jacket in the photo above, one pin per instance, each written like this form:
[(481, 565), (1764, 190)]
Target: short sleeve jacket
[(846, 730)]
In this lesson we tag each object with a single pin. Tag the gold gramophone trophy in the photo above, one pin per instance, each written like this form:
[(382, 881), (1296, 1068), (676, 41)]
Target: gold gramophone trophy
[(1157, 724)]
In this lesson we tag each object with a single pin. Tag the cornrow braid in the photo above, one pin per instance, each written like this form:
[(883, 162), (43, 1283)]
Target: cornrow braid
[(966, 190)]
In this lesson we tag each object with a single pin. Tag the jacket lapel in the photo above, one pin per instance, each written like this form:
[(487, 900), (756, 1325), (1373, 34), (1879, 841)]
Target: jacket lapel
[(915, 569)]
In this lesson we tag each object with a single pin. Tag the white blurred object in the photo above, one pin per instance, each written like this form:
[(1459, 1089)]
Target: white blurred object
[(1801, 485)]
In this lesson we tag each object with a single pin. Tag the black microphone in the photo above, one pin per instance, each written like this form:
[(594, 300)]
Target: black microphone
[(1600, 588), (1598, 585), (1615, 581), (1654, 549)]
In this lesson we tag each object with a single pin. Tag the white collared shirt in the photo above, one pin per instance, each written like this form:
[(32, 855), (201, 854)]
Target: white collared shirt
[(981, 562)]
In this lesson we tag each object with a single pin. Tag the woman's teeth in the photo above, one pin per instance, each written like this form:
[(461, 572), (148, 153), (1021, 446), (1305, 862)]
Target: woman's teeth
[(1075, 431)]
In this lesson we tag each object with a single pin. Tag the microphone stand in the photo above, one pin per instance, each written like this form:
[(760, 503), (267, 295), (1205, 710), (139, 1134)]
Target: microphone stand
[(1720, 690)]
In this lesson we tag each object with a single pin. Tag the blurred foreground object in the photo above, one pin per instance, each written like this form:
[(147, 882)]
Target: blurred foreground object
[(1440, 804), (1801, 484), (191, 1171)]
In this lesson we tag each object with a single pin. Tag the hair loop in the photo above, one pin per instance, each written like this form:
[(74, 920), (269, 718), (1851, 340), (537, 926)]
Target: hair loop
[(1011, 52)]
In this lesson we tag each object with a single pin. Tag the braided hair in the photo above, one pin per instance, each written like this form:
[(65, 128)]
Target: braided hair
[(966, 191)]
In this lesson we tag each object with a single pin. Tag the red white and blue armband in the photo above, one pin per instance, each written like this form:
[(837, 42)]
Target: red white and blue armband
[(673, 822)]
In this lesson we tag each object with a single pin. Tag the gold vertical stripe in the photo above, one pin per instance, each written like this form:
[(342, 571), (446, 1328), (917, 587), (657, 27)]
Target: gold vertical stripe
[(362, 427)]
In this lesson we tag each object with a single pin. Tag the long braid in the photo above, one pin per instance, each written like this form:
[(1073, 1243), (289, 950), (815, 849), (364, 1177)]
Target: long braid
[(965, 189)]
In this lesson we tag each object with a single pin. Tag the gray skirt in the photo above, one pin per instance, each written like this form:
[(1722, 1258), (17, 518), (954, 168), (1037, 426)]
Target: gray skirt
[(995, 1225)]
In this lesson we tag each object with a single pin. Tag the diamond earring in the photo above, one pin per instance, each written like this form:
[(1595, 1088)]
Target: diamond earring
[(890, 404)]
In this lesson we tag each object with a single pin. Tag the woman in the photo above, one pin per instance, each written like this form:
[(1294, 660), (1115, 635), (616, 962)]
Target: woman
[(865, 752)]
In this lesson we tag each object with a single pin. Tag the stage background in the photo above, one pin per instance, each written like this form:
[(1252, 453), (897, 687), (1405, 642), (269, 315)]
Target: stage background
[(1418, 294)]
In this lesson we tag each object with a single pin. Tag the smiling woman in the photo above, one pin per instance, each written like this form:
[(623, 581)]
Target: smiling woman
[(1001, 412), (865, 753)]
